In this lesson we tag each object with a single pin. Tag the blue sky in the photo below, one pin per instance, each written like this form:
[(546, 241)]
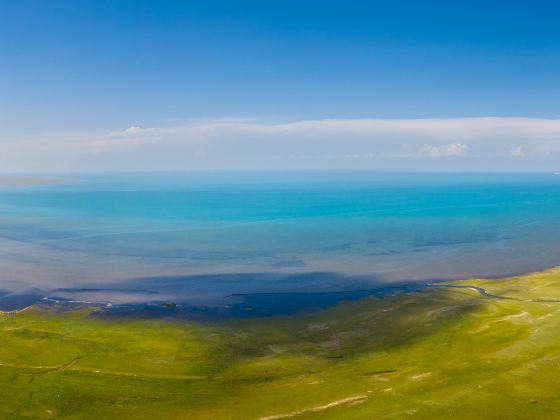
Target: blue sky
[(75, 75)]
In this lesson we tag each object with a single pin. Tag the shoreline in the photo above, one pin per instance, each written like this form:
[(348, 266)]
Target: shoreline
[(439, 352), (253, 305)]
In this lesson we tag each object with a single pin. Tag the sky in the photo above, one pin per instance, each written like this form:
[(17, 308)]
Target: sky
[(111, 85)]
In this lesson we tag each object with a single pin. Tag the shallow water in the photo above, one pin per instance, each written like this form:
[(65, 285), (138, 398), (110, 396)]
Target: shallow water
[(197, 238)]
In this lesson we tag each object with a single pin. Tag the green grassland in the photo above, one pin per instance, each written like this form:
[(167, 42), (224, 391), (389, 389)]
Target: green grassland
[(439, 353)]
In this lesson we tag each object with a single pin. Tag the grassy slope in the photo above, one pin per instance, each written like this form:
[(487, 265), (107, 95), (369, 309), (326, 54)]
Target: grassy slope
[(438, 353)]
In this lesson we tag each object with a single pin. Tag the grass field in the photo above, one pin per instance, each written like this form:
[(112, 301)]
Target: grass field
[(440, 353)]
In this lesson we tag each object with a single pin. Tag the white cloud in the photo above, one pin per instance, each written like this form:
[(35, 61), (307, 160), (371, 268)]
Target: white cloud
[(548, 148), (108, 144), (377, 144), (453, 149), (133, 136), (136, 132), (442, 128), (517, 151)]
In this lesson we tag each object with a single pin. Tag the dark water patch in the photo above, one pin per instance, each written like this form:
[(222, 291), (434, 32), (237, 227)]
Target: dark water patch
[(288, 263), (339, 247), (212, 288), (274, 304), (254, 305), (383, 253), (164, 310), (17, 301), (443, 243), (101, 290)]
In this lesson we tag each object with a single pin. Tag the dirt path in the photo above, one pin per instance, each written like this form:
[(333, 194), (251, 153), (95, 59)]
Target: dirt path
[(350, 400)]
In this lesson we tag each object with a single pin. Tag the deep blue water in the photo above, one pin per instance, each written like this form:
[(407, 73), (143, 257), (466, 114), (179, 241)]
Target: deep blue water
[(200, 237)]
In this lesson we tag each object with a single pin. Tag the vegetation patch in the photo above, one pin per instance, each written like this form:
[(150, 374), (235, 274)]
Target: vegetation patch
[(442, 352)]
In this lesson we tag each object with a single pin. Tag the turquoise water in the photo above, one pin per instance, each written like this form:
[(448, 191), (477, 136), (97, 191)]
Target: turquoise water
[(200, 237)]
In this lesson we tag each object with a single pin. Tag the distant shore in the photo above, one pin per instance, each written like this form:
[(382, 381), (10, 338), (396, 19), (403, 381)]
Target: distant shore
[(28, 181)]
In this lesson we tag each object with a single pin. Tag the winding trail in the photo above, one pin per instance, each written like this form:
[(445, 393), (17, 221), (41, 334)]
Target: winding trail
[(345, 401), (485, 293)]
